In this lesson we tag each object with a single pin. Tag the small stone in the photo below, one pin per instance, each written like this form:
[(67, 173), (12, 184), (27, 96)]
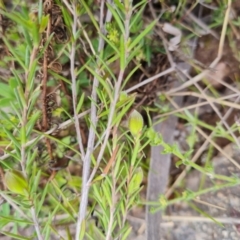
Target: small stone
[(225, 233), (233, 235)]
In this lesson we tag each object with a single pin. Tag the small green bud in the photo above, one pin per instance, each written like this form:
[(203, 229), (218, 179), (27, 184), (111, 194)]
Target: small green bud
[(135, 123), (16, 182), (123, 96), (136, 180)]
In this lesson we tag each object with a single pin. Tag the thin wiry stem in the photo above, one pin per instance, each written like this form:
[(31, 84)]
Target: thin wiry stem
[(197, 155), (211, 103), (19, 210), (36, 223), (45, 78), (14, 205), (109, 125), (80, 26), (173, 218), (74, 84), (117, 90), (91, 139), (193, 105), (148, 80)]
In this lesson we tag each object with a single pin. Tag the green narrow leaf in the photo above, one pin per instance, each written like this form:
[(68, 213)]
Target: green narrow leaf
[(96, 25), (57, 76), (122, 53), (17, 78), (48, 228), (68, 203), (5, 102), (21, 96), (134, 52), (34, 98), (3, 223), (18, 103), (122, 230), (136, 180), (118, 162), (13, 83), (17, 17), (117, 18), (14, 106), (5, 209), (102, 81), (104, 100), (35, 178), (205, 214), (83, 229), (5, 212), (113, 46), (137, 17), (43, 23), (27, 37), (67, 17), (107, 190), (15, 236), (96, 192), (27, 54), (119, 5), (141, 35), (126, 233), (6, 91), (31, 158), (69, 236), (13, 219), (31, 122), (131, 74), (107, 65), (16, 156), (12, 138), (143, 2), (12, 50), (43, 198), (58, 141), (31, 74), (120, 115), (80, 103), (8, 119), (40, 11)]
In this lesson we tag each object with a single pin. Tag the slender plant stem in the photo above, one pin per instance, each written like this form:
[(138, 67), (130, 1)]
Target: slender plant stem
[(45, 124), (15, 206), (91, 139), (36, 223), (74, 84), (167, 71), (115, 98)]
